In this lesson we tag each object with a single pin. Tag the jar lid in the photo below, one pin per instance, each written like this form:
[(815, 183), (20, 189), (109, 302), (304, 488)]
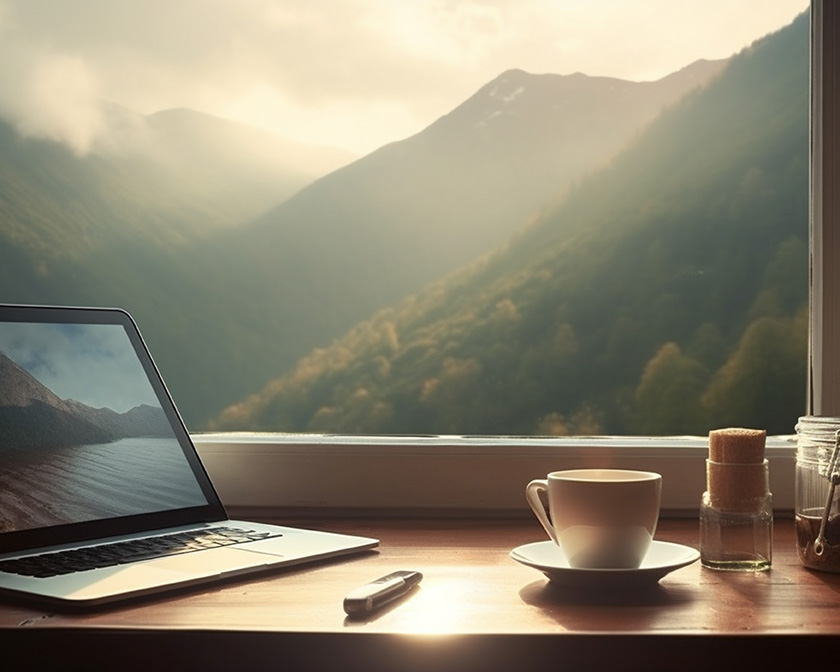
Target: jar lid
[(819, 421), (819, 429)]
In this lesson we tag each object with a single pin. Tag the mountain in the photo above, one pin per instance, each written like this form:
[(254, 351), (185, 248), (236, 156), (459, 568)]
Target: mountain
[(32, 416), (142, 420), (382, 227), (667, 293), (224, 304), (413, 210)]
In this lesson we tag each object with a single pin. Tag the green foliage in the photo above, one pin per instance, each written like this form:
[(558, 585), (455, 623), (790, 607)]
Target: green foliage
[(763, 376), (668, 395)]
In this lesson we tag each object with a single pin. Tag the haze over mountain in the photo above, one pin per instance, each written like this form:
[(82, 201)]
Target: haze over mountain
[(668, 291), (165, 179), (224, 311), (238, 165)]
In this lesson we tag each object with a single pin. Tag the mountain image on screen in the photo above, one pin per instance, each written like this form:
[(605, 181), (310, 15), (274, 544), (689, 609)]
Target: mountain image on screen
[(32, 416)]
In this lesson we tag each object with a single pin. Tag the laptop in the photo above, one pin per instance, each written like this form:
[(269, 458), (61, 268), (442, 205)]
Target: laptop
[(103, 496)]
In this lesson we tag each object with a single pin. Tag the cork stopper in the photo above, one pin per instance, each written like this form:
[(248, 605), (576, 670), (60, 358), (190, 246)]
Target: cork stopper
[(736, 445), (736, 472)]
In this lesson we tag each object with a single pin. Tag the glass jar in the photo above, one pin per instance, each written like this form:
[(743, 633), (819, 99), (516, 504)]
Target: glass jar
[(816, 495)]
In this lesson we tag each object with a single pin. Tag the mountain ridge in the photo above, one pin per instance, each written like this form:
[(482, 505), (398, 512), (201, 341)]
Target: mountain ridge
[(383, 226)]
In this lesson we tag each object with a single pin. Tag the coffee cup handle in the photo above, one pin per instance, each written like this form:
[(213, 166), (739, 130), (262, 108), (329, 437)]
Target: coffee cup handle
[(532, 494)]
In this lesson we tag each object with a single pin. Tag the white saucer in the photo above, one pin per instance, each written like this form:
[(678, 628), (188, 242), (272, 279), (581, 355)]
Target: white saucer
[(662, 558)]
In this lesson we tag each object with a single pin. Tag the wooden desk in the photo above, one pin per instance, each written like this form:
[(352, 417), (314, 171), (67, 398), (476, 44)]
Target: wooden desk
[(476, 609)]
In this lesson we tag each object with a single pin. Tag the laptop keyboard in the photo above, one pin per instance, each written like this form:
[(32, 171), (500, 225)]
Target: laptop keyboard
[(118, 553)]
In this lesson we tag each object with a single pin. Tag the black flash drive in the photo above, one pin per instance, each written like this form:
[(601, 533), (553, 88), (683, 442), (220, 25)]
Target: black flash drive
[(376, 594)]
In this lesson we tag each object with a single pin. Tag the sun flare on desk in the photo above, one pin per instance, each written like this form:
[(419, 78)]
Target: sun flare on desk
[(441, 608)]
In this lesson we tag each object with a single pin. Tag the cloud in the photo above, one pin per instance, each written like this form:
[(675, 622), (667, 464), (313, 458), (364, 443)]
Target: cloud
[(49, 95)]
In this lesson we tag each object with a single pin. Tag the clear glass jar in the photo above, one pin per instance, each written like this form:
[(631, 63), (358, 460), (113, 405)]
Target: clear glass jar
[(736, 517), (816, 495)]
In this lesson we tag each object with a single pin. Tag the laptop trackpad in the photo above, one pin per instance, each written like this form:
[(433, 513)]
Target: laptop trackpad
[(211, 561), (171, 570)]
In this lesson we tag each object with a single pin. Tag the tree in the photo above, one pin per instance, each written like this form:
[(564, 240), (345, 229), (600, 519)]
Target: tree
[(763, 383), (667, 399)]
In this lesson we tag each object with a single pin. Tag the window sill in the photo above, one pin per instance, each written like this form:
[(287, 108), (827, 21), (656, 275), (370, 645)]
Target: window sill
[(449, 475)]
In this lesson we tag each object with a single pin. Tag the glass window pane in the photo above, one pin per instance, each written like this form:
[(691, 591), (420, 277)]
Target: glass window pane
[(464, 218)]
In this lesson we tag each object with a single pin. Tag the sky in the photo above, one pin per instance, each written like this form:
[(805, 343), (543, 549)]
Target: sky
[(351, 74)]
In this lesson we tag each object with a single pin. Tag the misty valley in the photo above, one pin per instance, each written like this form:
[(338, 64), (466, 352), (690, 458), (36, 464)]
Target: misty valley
[(558, 255)]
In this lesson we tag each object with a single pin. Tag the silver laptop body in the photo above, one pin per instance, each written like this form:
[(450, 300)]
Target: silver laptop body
[(103, 496)]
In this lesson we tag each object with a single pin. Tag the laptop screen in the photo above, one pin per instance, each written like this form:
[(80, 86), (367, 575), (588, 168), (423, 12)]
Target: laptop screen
[(89, 439)]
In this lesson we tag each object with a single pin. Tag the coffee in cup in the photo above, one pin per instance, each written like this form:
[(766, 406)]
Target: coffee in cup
[(600, 518)]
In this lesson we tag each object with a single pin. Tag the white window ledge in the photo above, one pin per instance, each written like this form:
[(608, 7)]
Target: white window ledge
[(442, 475)]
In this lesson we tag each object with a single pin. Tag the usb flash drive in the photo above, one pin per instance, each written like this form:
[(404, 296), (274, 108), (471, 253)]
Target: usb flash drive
[(376, 594)]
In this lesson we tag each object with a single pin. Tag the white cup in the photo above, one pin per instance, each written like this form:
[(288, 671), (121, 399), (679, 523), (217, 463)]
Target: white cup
[(600, 518)]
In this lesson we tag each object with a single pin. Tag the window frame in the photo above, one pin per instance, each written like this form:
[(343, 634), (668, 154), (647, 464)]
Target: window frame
[(314, 475)]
